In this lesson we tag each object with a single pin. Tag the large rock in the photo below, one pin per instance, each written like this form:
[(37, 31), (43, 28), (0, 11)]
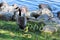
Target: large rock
[(7, 11), (58, 27), (49, 29)]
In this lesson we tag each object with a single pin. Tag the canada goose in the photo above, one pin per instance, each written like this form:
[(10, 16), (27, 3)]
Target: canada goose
[(21, 20)]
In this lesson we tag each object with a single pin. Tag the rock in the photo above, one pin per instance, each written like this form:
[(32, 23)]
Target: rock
[(58, 27), (46, 9), (7, 11), (49, 29)]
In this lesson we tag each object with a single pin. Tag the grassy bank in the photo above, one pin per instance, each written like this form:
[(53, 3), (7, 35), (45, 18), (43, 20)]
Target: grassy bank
[(10, 31)]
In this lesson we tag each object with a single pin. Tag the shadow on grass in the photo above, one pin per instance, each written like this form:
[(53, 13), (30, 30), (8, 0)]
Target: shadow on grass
[(9, 37), (9, 26)]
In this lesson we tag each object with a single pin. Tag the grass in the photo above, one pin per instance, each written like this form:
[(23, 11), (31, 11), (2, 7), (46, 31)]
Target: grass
[(9, 30)]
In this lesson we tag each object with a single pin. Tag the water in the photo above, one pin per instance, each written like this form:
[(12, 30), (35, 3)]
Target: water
[(33, 4)]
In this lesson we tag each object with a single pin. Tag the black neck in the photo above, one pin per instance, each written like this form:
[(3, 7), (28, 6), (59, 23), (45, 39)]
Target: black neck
[(19, 12)]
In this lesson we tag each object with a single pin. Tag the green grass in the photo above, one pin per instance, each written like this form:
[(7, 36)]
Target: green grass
[(9, 30)]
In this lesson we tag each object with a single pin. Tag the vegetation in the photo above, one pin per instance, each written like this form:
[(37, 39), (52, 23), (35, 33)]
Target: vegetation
[(9, 30)]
